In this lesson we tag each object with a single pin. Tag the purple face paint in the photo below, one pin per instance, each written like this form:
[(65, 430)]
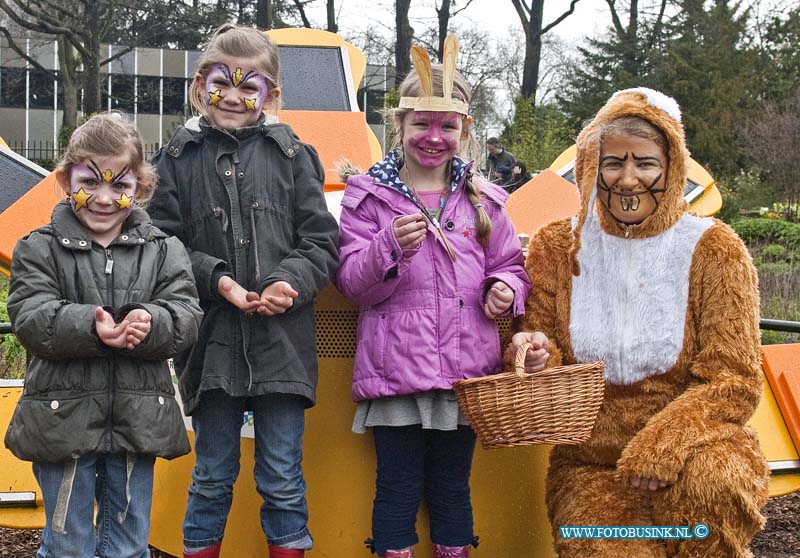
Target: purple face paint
[(430, 138), (102, 192), (235, 89), (88, 181)]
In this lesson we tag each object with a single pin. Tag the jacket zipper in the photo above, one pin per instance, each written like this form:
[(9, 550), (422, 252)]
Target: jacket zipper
[(243, 242), (112, 373)]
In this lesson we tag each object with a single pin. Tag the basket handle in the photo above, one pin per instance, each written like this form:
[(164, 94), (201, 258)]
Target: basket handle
[(519, 359)]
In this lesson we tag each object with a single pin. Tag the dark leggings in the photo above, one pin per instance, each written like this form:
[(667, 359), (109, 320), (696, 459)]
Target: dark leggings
[(413, 462)]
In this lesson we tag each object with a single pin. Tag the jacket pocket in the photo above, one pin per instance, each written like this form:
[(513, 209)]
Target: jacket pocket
[(57, 429), (479, 351), (207, 231), (371, 345), (412, 360)]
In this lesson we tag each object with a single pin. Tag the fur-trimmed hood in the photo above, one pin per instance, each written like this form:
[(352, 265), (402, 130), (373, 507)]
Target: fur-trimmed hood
[(663, 112)]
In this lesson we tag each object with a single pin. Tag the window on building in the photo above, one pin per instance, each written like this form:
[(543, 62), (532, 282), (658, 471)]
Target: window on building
[(148, 93), (173, 94), (41, 88), (122, 92), (12, 87)]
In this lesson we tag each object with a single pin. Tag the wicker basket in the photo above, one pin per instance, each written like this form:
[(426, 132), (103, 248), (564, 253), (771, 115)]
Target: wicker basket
[(553, 406)]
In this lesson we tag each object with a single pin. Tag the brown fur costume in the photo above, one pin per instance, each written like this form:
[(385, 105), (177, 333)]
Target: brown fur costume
[(683, 424)]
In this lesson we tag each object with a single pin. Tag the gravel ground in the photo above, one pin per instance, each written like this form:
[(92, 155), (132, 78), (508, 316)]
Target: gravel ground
[(780, 538)]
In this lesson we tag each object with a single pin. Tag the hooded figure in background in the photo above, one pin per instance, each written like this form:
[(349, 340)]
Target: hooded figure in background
[(669, 302)]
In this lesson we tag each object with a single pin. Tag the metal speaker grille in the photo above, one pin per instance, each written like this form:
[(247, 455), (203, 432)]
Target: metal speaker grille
[(336, 333)]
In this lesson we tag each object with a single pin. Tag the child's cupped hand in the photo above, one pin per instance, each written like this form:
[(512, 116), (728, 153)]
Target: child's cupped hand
[(110, 333), (498, 299), (237, 295), (125, 335), (277, 298), (139, 326), (410, 230)]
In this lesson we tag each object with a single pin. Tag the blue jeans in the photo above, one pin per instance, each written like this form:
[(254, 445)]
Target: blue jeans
[(278, 421), (413, 462), (101, 477)]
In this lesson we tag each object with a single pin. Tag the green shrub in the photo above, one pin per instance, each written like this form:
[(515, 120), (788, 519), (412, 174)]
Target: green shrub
[(744, 191), (12, 353), (773, 252), (762, 229)]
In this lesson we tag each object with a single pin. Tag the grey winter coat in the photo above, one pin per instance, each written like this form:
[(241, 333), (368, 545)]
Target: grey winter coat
[(80, 395), (249, 205)]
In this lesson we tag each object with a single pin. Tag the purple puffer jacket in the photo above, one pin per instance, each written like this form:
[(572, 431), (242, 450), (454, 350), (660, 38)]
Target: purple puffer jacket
[(421, 325)]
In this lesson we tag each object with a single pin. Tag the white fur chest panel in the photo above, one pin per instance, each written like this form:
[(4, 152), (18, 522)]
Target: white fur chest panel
[(628, 305)]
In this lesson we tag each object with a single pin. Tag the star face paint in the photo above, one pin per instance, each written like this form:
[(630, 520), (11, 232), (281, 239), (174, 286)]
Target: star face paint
[(102, 191), (631, 177), (431, 139), (235, 97)]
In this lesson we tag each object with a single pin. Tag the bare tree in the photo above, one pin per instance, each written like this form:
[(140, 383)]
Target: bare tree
[(402, 47), (531, 16), (77, 25), (444, 14), (330, 7), (772, 142), (265, 14), (300, 5)]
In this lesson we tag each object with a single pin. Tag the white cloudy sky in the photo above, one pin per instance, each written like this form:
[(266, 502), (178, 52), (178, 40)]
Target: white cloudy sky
[(495, 16)]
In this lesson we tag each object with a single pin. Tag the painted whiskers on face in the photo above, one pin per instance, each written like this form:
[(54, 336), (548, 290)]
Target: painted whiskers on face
[(629, 200), (631, 177)]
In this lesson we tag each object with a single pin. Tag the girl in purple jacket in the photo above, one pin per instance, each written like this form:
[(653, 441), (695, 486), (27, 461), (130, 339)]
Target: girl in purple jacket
[(431, 258)]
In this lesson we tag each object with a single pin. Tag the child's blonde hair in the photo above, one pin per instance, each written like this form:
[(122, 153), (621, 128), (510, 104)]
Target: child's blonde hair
[(237, 41), (109, 135), (411, 87)]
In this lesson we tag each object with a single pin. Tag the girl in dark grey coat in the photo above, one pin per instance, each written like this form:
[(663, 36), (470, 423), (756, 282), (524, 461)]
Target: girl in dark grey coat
[(245, 196), (101, 299)]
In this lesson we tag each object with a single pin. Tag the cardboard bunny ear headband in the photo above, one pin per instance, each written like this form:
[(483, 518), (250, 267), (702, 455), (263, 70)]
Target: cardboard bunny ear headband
[(428, 101)]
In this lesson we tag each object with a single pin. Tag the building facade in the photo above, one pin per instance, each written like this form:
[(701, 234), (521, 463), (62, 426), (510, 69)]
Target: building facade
[(149, 84)]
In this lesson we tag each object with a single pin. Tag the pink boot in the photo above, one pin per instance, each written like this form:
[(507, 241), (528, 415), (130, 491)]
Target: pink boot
[(441, 551), (280, 552), (208, 552), (407, 552)]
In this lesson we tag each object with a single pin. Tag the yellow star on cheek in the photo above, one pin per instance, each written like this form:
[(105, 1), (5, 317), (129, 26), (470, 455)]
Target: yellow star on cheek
[(214, 97), (236, 78), (124, 202), (81, 199), (108, 175), (250, 104)]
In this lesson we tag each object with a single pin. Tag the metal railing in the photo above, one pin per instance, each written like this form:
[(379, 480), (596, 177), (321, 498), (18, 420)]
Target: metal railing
[(766, 324)]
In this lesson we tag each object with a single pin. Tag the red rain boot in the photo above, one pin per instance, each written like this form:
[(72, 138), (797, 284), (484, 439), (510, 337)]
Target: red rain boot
[(208, 552), (407, 552), (280, 552), (441, 551)]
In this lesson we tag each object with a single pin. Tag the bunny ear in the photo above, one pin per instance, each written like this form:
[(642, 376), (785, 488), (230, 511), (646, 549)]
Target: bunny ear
[(449, 65), (422, 63)]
